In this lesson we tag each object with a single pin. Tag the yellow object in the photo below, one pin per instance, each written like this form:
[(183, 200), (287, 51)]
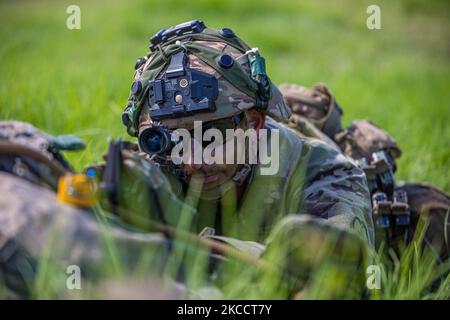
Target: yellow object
[(77, 189)]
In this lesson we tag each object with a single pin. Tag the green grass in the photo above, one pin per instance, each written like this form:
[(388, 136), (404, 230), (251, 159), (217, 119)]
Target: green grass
[(77, 81)]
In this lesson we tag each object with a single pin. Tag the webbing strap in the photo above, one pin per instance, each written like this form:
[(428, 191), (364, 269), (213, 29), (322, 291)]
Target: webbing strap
[(10, 148), (211, 35)]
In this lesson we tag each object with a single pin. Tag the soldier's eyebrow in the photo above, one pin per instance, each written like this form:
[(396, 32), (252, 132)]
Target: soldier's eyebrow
[(234, 122)]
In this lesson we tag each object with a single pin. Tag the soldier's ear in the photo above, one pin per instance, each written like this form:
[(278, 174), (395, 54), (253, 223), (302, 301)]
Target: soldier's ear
[(257, 119)]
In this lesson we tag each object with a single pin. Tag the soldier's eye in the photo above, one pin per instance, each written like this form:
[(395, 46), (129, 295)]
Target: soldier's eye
[(222, 124)]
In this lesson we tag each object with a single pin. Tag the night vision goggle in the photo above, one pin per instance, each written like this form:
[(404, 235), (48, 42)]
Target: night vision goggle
[(181, 91), (158, 140)]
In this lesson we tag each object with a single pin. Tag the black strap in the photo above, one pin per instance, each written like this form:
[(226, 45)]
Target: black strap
[(111, 175), (153, 194)]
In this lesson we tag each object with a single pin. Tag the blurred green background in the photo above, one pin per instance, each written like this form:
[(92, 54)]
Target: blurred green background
[(77, 81)]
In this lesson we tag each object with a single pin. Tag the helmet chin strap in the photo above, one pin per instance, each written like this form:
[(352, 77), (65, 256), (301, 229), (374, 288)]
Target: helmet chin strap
[(241, 174), (245, 169), (235, 182)]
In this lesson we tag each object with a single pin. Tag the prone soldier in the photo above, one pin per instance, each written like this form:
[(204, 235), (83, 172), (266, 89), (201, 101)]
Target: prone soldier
[(397, 205)]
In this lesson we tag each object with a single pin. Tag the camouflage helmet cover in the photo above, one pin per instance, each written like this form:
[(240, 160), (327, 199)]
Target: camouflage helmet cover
[(317, 104), (237, 89)]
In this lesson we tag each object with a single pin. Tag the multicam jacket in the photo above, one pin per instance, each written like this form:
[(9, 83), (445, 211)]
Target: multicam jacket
[(313, 179)]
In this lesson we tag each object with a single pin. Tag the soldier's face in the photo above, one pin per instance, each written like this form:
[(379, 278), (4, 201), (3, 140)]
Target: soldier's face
[(213, 180), (210, 180)]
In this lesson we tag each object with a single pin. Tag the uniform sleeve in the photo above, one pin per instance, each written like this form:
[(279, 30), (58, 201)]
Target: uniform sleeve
[(336, 190)]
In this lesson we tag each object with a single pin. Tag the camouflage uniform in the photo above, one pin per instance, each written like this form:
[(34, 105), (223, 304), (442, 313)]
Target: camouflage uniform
[(314, 180)]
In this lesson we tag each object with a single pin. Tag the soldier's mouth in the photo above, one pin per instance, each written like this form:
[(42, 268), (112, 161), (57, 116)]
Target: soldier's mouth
[(214, 181), (209, 181), (209, 178)]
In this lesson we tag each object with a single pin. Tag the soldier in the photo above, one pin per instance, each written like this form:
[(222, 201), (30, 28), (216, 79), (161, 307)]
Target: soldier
[(195, 73), (37, 228), (317, 114)]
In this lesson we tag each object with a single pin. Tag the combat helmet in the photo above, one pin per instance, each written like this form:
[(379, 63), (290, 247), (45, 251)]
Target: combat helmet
[(317, 104), (196, 73), (35, 156)]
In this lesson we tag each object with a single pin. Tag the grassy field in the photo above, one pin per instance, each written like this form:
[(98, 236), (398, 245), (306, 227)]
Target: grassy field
[(77, 81)]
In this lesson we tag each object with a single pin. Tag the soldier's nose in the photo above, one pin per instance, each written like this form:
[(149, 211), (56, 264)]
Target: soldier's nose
[(194, 162), (203, 162), (191, 166)]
